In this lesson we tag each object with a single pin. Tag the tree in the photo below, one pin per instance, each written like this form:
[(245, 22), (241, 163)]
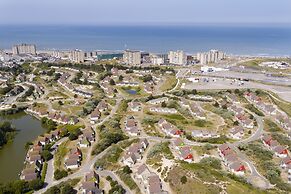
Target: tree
[(67, 189), (164, 104), (236, 123), (112, 82), (212, 162), (216, 104), (120, 78), (53, 190), (126, 170), (73, 137), (46, 155), (58, 174), (35, 184), (183, 179)]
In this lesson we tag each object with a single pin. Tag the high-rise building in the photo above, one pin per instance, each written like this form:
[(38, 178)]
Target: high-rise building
[(177, 57), (24, 49), (213, 56), (77, 56), (156, 60), (132, 57)]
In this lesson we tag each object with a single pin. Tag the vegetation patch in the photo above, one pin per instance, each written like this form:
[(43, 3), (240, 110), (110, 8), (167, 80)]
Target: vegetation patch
[(157, 152), (253, 109)]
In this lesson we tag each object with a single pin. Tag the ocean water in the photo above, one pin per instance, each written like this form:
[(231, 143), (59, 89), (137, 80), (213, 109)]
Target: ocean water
[(244, 40)]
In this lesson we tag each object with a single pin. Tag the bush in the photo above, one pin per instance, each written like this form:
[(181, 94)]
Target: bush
[(46, 155), (35, 184), (212, 162), (126, 170), (183, 179), (59, 174)]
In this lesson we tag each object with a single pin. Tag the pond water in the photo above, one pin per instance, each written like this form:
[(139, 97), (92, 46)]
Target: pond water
[(12, 155), (132, 92)]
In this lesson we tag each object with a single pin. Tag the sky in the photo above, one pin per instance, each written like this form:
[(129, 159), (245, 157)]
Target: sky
[(92, 12)]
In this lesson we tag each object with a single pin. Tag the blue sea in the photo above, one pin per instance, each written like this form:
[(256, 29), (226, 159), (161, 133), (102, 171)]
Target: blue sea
[(233, 39)]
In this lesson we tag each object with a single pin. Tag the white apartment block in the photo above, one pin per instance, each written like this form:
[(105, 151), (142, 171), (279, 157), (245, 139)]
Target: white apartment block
[(156, 60), (213, 56), (177, 57), (24, 49), (132, 57), (77, 56)]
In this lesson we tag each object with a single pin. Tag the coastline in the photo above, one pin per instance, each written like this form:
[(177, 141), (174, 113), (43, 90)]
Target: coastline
[(235, 40)]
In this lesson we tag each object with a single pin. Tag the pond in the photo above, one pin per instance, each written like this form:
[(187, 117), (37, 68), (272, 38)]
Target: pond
[(132, 92), (12, 155)]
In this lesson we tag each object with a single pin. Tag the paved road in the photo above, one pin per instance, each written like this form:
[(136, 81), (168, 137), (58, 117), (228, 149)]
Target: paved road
[(49, 178), (283, 92), (86, 167), (106, 173)]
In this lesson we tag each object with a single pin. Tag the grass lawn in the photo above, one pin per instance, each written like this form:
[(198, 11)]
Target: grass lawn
[(169, 83), (60, 154), (271, 126), (285, 106), (253, 109), (157, 152), (203, 173), (126, 178)]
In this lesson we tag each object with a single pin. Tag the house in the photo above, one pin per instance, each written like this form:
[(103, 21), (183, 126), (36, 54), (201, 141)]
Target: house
[(233, 98), (236, 110), (102, 106), (273, 144), (230, 157), (29, 174), (72, 163), (144, 143), (36, 147), (201, 98), (163, 110), (169, 129), (89, 134), (148, 88), (281, 151), (143, 172), (247, 123), (154, 185), (76, 151), (237, 168), (135, 106), (267, 139), (223, 148), (92, 176), (95, 116), (158, 101), (56, 134), (43, 141), (91, 187), (185, 154), (178, 142), (84, 143), (196, 111), (270, 109), (197, 133), (285, 162), (184, 103), (130, 123), (35, 158), (129, 159), (236, 132)]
